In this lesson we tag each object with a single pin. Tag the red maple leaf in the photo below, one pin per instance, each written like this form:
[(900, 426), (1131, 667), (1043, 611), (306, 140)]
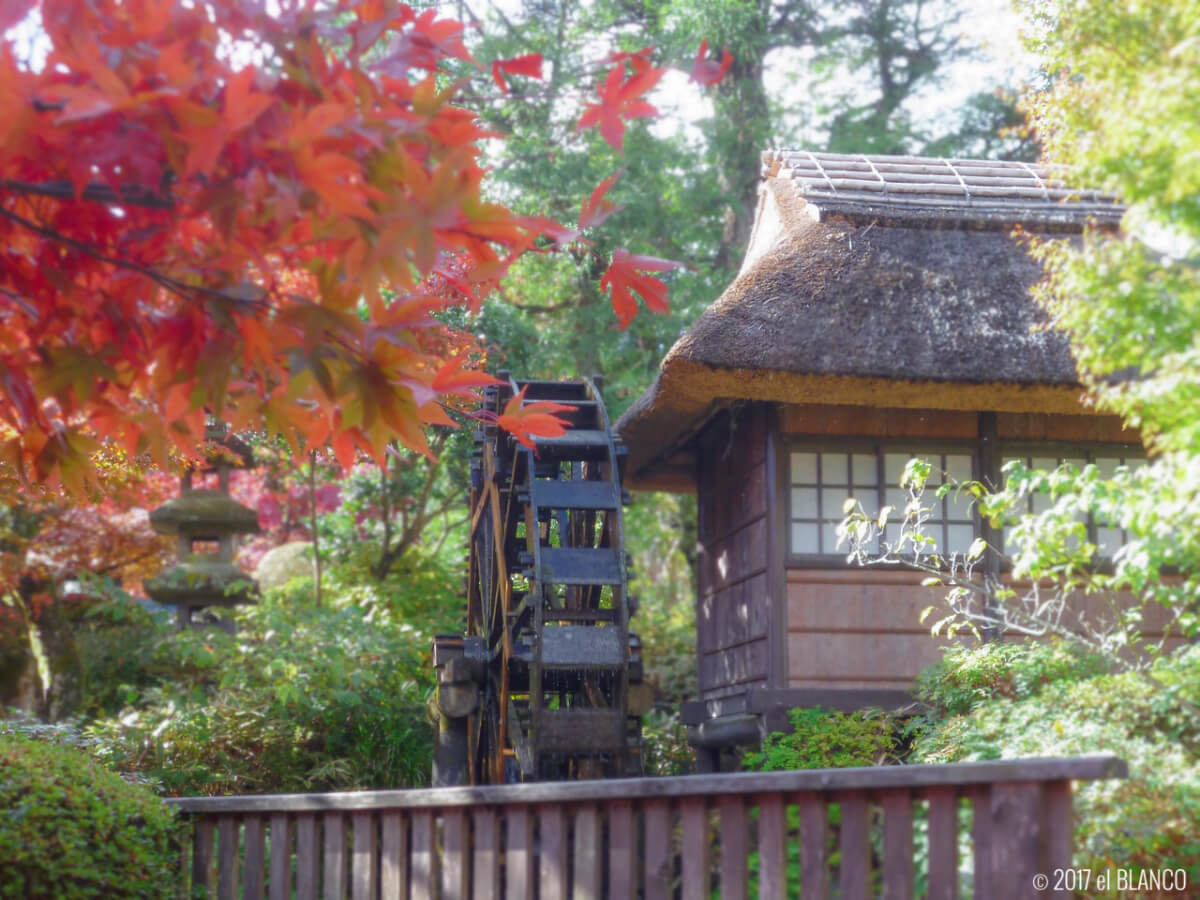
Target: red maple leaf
[(525, 421), (620, 99), (596, 208), (626, 276), (708, 71), (530, 65)]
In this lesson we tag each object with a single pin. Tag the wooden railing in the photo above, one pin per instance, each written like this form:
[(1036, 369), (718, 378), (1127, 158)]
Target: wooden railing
[(768, 834)]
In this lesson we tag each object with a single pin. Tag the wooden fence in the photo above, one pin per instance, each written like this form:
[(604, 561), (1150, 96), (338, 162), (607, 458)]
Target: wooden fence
[(895, 831)]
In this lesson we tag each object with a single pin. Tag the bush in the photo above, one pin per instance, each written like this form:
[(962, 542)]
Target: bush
[(822, 739), (300, 699), (69, 828), (1150, 820), (969, 676)]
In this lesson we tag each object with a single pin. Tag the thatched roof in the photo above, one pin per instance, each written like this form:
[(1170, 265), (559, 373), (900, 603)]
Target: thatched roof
[(883, 281)]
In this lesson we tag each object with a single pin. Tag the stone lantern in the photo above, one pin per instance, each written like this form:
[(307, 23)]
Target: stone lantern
[(206, 520)]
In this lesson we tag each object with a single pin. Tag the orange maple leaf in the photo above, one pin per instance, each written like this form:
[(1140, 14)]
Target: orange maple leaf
[(620, 99), (596, 208), (530, 65), (626, 276), (525, 421)]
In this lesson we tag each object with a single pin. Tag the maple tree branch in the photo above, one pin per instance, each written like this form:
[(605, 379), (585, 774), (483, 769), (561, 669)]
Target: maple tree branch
[(130, 195), (179, 288)]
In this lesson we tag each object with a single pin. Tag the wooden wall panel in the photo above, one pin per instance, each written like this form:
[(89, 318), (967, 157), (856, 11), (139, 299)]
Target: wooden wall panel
[(729, 560), (858, 659), (733, 598), (735, 614), (866, 421), (861, 629), (738, 666), (1043, 427)]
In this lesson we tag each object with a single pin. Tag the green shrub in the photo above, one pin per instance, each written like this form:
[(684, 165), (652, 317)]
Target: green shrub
[(69, 828), (968, 676), (1150, 820), (300, 699), (822, 739), (665, 748)]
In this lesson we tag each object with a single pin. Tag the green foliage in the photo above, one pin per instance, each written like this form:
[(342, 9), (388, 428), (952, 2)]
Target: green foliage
[(71, 829), (1149, 820), (300, 699), (658, 530), (968, 677), (826, 739), (665, 749)]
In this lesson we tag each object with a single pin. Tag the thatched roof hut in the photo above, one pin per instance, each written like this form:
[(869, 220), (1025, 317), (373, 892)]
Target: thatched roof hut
[(877, 281)]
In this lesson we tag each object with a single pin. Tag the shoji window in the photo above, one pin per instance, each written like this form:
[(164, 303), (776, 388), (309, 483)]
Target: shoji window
[(1106, 458), (823, 478)]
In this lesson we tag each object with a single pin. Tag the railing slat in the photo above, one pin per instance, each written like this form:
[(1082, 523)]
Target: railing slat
[(694, 813), (1060, 827), (362, 866), (307, 859), (981, 836), (255, 863), (620, 850), (814, 854), (552, 861), (897, 846), (454, 853), (518, 853), (280, 884), (657, 853), (424, 858), (732, 811), (203, 843), (772, 856), (486, 854), (587, 854), (227, 857), (856, 848), (393, 857), (1017, 837), (943, 843), (335, 855)]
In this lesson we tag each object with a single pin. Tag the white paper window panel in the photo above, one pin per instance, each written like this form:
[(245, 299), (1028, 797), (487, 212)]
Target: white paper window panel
[(1107, 466), (1136, 462), (804, 503), (891, 534), (1044, 462), (893, 467), (959, 537), (805, 536), (958, 466), (1041, 502), (1077, 461), (865, 470), (897, 497), (832, 500), (834, 469), (959, 506), (829, 541), (804, 468), (1109, 540)]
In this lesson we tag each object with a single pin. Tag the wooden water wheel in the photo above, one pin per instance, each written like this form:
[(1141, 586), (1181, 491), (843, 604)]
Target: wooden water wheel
[(546, 681)]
